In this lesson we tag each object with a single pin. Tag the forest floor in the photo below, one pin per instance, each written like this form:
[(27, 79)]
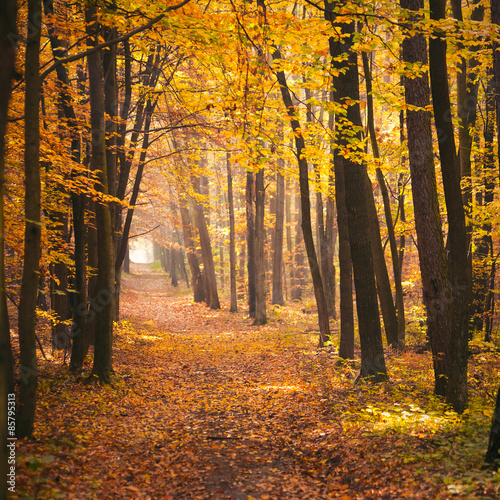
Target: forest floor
[(206, 406)]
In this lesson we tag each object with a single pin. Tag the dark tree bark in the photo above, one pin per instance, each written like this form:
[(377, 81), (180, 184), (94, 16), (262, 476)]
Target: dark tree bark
[(288, 234), (347, 88), (126, 260), (59, 302), (298, 278), (456, 352), (8, 16), (79, 331), (278, 240), (484, 197), (209, 275), (436, 290), (402, 214), (190, 246), (232, 237), (346, 346), (495, 19), (331, 237), (260, 269), (173, 267), (111, 108), (324, 252), (105, 286), (250, 213), (28, 366), (396, 339), (323, 317), (493, 452), (380, 268)]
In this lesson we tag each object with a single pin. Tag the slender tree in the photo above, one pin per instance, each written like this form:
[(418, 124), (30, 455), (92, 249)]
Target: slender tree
[(8, 27), (105, 284), (305, 204), (456, 353), (260, 269), (232, 237), (31, 264), (278, 240), (346, 86)]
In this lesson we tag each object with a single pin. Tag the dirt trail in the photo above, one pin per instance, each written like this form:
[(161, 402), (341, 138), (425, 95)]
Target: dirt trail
[(232, 434)]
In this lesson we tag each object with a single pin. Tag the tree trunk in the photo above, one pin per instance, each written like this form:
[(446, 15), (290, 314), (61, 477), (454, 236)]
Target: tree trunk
[(355, 176), (493, 453), (209, 275), (396, 339), (173, 267), (8, 15), (79, 331), (331, 237), (28, 366), (232, 237), (111, 108), (103, 299), (456, 352), (260, 269), (189, 244), (346, 346), (435, 287), (383, 283), (278, 240), (298, 278), (250, 213), (323, 317), (289, 244), (482, 266)]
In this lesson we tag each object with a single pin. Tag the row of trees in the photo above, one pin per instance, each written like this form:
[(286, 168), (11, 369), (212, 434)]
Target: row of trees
[(307, 94)]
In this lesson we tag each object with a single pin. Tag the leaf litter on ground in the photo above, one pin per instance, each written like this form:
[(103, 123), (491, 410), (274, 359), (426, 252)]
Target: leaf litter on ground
[(204, 405)]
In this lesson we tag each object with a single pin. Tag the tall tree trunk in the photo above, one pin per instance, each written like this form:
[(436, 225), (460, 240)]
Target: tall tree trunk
[(250, 213), (31, 266), (209, 275), (402, 216), (495, 19), (396, 340), (59, 290), (278, 239), (189, 244), (298, 280), (331, 236), (173, 267), (232, 237), (260, 269), (355, 177), (456, 353), (8, 27), (79, 331), (319, 293), (380, 268), (288, 234), (103, 299), (436, 293), (482, 267), (111, 108), (467, 90), (346, 346)]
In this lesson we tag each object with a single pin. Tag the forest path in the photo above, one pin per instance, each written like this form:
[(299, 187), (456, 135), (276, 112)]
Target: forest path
[(206, 406), (228, 399)]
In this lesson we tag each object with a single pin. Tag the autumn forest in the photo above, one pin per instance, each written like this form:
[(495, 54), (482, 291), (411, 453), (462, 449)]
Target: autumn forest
[(248, 250)]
